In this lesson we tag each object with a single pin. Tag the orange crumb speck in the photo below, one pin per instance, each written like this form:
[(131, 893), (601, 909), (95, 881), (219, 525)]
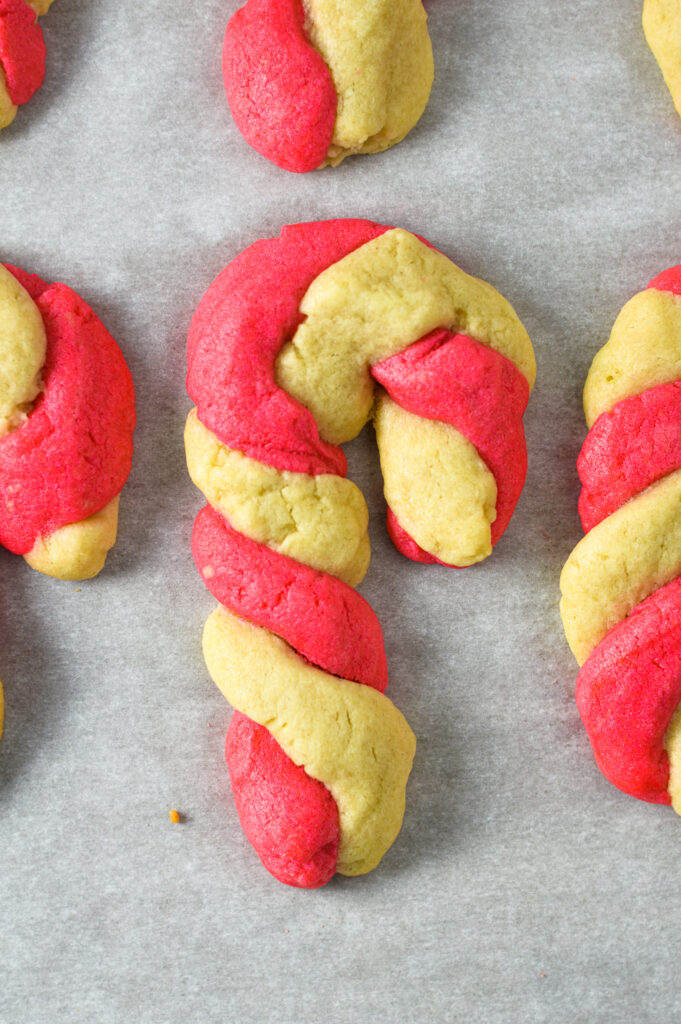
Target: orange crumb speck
[(174, 817)]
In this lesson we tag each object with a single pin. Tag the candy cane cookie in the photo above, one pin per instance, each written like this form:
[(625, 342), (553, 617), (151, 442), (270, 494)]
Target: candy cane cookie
[(662, 27), (66, 422), (296, 344), (22, 54), (310, 82), (621, 586)]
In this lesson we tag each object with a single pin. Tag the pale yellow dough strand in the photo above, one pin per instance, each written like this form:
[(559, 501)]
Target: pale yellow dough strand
[(8, 111), (662, 27), (22, 351), (644, 350), (77, 551), (381, 63), (348, 736), (620, 562), (40, 6), (319, 520), (374, 303), (672, 744), (442, 492)]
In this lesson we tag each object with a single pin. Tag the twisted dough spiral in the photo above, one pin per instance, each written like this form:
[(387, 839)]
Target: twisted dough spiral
[(621, 585), (22, 54), (309, 84), (284, 352), (66, 422)]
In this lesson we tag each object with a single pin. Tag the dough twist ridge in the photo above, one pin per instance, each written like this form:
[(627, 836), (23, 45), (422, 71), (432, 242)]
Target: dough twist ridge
[(621, 585), (286, 351)]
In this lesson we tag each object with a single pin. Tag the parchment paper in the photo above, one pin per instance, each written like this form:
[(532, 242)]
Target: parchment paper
[(523, 887)]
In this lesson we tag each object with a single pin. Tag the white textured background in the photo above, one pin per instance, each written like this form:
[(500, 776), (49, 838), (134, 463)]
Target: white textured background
[(523, 887)]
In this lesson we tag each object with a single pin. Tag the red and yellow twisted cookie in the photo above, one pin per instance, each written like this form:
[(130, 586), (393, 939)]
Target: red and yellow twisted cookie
[(309, 84), (285, 352), (66, 421), (621, 586), (662, 27), (22, 54)]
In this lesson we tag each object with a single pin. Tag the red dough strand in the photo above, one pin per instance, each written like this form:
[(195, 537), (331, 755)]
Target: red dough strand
[(630, 686), (324, 619), (74, 453), (290, 819), (22, 50), (628, 691), (668, 281), (278, 87), (454, 379), (611, 468)]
